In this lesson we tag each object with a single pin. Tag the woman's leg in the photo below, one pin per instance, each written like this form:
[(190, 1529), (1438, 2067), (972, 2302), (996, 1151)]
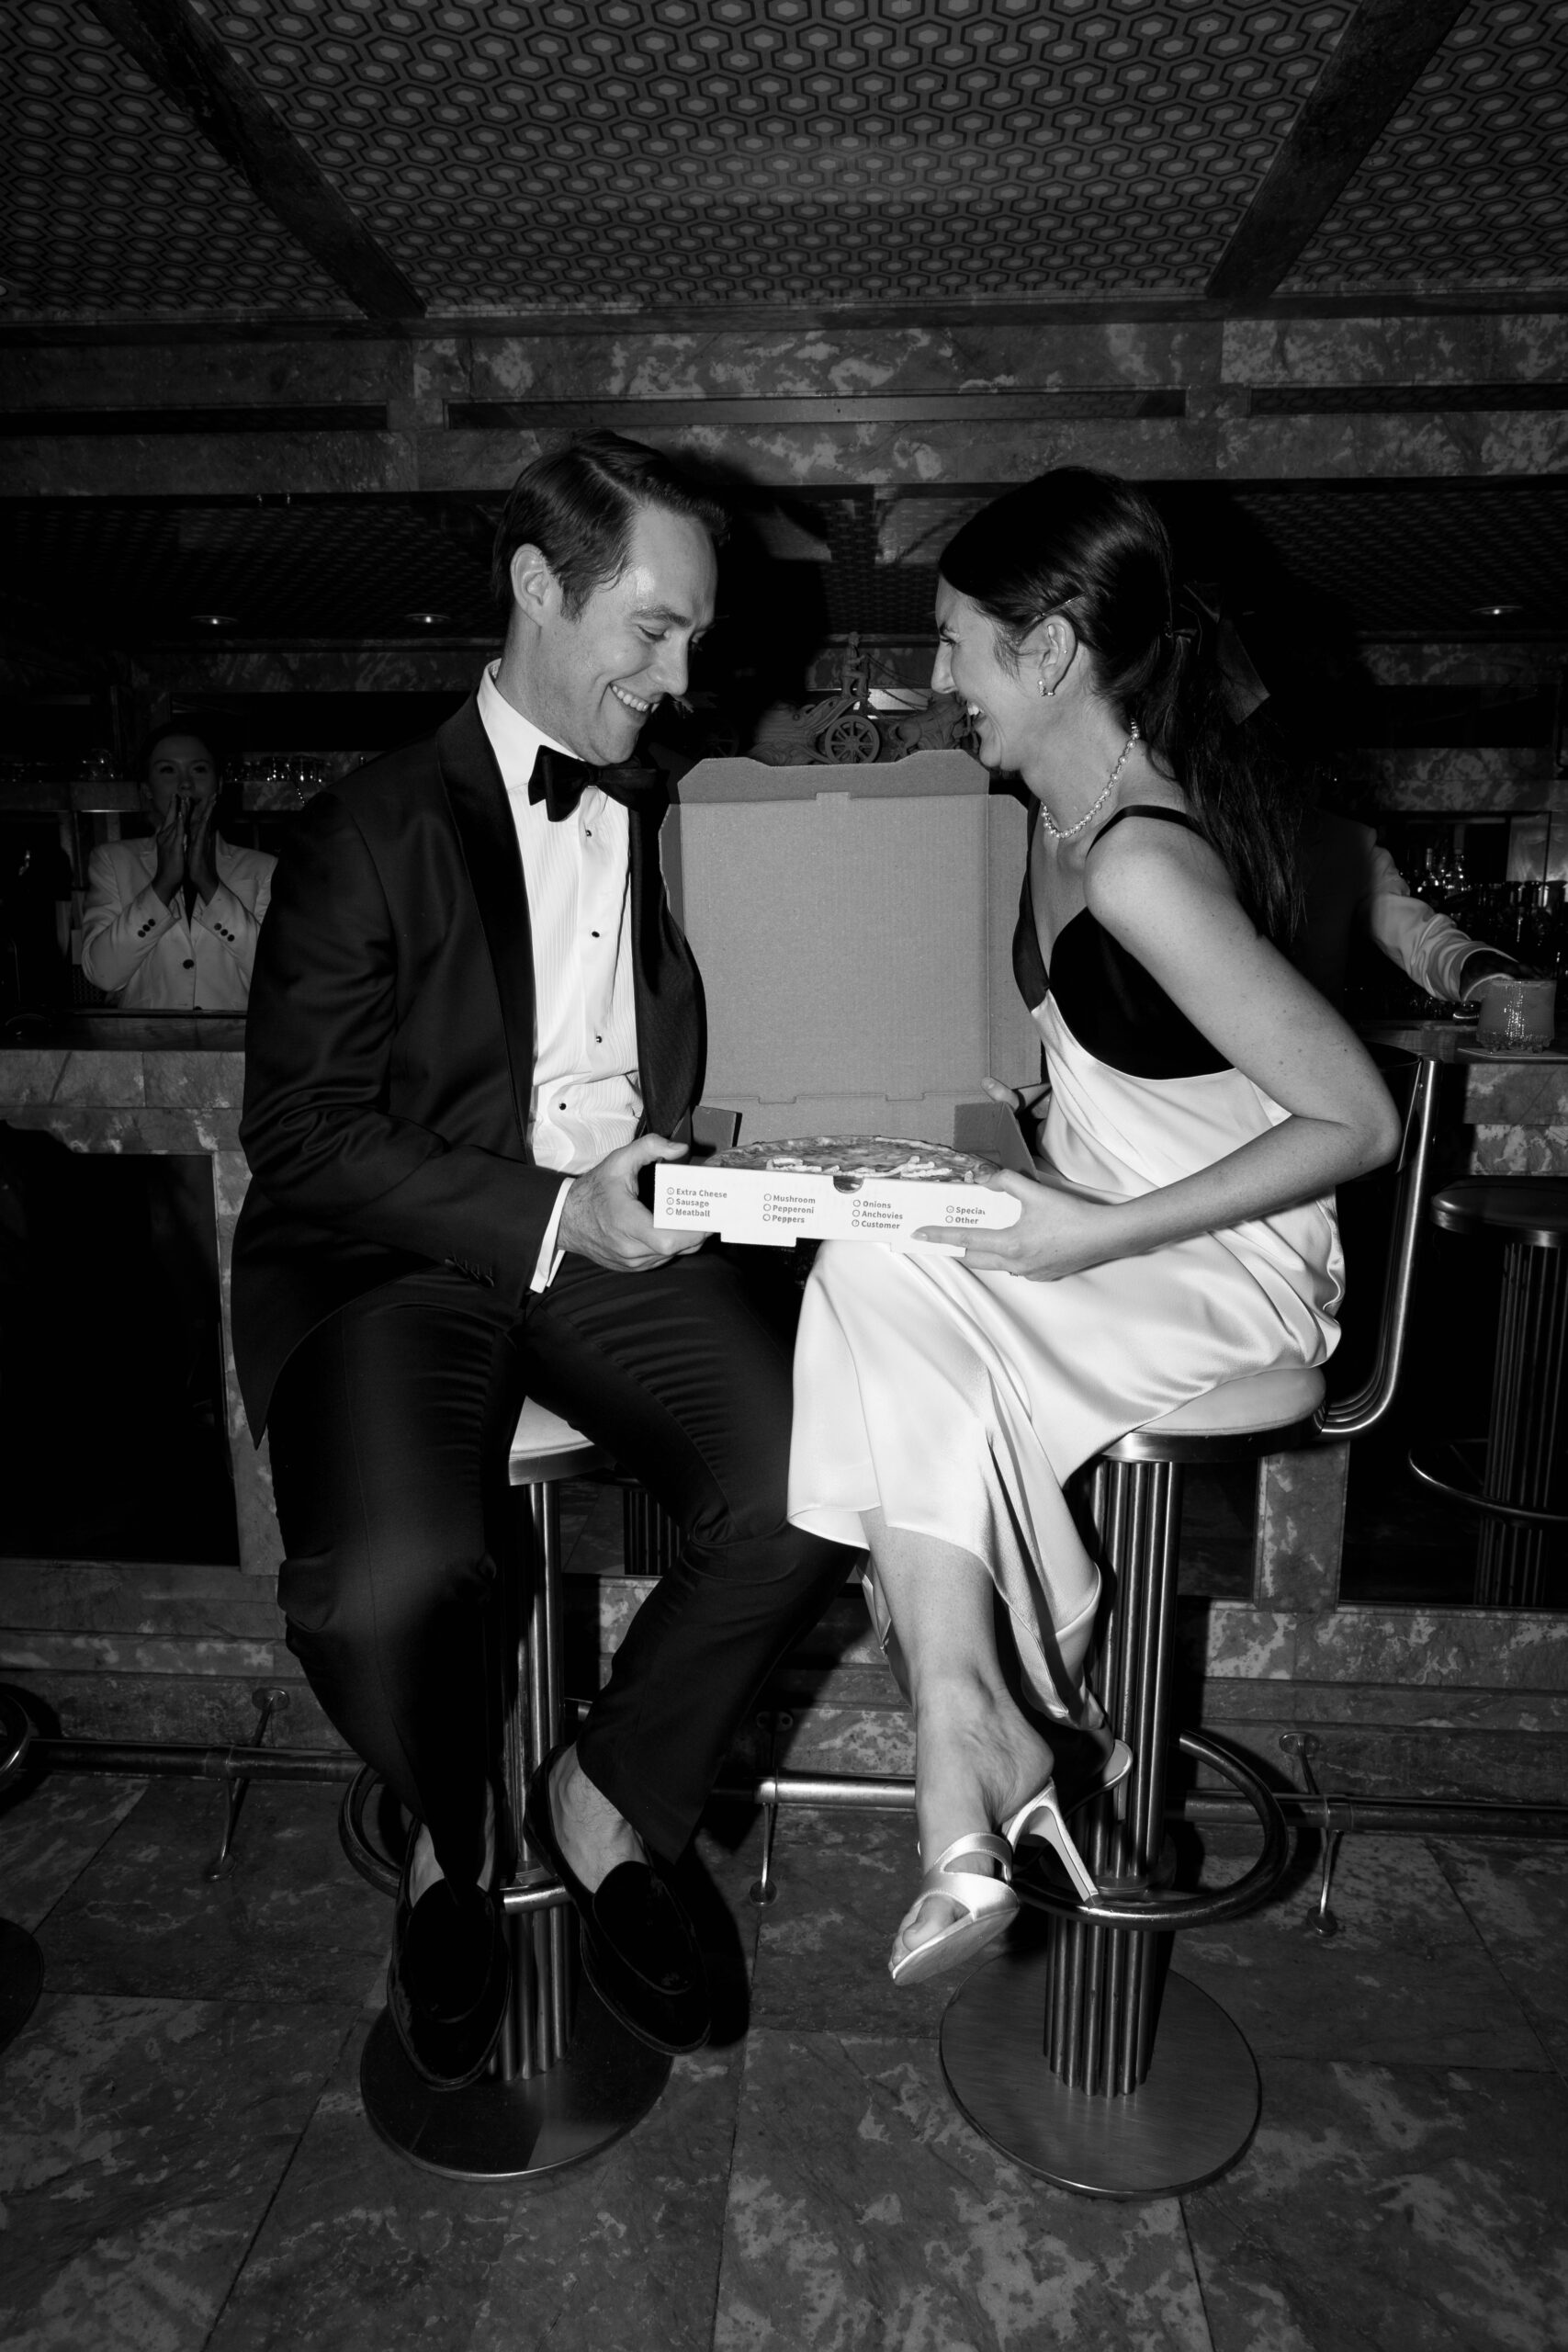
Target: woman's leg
[(977, 1757)]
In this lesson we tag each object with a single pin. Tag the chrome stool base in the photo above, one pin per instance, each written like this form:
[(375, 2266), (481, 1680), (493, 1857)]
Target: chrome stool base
[(602, 2084), (1191, 2119)]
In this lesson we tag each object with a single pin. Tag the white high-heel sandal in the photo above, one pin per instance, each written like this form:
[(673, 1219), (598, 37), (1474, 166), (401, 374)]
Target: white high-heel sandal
[(986, 1903)]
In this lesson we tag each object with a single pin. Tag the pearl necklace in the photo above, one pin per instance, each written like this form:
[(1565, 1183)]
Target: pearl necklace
[(1061, 833)]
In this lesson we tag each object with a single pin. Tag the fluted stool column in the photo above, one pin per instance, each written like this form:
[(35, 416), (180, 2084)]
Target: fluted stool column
[(568, 2080)]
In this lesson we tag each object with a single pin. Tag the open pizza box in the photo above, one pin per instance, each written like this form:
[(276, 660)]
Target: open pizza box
[(854, 927)]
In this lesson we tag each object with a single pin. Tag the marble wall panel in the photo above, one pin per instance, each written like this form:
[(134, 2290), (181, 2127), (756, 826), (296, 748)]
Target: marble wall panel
[(1519, 1151), (1529, 348), (23, 1653), (192, 1081), (1472, 777), (1410, 665), (210, 374), (90, 1126), (1234, 1640), (1523, 1094), (255, 1513), (1301, 1528), (138, 1598), (1516, 1649), (1392, 1706), (210, 464), (108, 1078), (795, 362), (815, 456), (32, 1076), (1366, 449)]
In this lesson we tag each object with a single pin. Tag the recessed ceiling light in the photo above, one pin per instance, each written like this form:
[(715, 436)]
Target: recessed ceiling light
[(216, 620), (1494, 612), (428, 620)]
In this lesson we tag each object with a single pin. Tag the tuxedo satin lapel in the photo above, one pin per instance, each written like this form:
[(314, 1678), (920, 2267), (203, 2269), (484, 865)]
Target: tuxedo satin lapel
[(483, 817), (670, 1030)]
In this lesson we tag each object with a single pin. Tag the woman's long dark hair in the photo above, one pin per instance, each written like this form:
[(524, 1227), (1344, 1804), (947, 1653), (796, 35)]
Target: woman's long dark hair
[(1092, 547)]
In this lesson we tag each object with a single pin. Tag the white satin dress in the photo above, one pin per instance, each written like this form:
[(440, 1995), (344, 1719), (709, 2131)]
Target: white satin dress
[(959, 1403)]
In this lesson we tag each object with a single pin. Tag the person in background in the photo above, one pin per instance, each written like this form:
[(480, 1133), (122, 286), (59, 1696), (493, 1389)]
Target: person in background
[(1352, 889), (171, 922)]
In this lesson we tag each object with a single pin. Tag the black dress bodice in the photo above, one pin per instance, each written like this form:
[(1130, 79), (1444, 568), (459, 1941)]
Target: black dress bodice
[(1113, 1005)]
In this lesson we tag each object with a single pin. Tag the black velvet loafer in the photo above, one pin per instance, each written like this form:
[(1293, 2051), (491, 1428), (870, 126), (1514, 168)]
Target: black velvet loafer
[(638, 1951), (448, 1979)]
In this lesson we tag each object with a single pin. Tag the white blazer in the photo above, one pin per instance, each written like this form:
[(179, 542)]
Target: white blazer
[(148, 954)]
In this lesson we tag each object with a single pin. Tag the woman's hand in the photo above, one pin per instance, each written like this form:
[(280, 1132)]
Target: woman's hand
[(1060, 1230), (1027, 1104), (170, 837), (200, 857)]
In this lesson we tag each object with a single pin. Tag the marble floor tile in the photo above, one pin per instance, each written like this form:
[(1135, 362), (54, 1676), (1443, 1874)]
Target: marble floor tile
[(864, 2211), (360, 2248), (363, 2250), (141, 2142), (1516, 1897), (292, 1921), (1391, 2209), (845, 1880), (622, 2254), (51, 1830), (1406, 1978)]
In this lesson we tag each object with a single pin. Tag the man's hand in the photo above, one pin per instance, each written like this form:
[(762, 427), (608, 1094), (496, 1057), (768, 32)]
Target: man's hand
[(605, 1221), (170, 837)]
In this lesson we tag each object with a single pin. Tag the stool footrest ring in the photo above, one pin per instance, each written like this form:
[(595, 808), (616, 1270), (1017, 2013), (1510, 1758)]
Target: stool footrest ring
[(1468, 1492), (1159, 1913)]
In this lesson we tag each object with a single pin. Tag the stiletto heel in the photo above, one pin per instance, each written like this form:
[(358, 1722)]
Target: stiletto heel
[(1041, 1815), (987, 1905)]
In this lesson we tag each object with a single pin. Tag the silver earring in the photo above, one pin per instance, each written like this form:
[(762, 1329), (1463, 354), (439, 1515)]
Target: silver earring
[(1046, 690)]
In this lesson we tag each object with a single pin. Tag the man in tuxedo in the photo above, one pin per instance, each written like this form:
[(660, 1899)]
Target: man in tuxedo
[(473, 1023)]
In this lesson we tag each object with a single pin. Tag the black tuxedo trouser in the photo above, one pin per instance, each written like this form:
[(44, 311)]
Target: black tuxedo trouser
[(390, 1428)]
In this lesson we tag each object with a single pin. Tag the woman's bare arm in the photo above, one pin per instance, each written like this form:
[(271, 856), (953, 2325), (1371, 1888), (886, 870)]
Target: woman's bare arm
[(1166, 897)]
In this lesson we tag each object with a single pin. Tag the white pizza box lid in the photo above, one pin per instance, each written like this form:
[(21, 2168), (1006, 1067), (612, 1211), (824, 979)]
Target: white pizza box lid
[(854, 927)]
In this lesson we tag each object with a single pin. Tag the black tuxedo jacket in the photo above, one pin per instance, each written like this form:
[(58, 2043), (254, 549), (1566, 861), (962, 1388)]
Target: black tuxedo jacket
[(389, 1047)]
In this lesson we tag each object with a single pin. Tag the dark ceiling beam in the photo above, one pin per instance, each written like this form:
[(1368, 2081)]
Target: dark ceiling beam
[(191, 65), (1383, 53)]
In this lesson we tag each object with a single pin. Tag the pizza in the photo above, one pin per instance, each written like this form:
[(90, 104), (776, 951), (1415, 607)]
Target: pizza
[(899, 1157)]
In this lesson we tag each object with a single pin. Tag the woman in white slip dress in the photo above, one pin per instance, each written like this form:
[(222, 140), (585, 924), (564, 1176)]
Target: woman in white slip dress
[(1204, 1102)]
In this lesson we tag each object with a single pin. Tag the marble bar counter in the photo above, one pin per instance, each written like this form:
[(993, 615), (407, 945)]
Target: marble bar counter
[(1430, 1700), (153, 1083), (1514, 1105)]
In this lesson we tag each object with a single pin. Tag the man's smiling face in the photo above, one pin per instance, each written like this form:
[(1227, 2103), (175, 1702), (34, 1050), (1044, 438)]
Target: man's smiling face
[(596, 678)]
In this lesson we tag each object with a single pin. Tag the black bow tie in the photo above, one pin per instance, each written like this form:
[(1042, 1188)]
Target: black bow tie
[(559, 781)]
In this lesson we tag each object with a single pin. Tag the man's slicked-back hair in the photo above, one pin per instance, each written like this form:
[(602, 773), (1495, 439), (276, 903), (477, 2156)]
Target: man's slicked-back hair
[(577, 508)]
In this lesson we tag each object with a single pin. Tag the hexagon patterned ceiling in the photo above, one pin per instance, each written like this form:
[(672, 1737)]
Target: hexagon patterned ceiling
[(508, 157)]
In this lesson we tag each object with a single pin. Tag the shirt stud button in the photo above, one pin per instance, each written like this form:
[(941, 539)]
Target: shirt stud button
[(189, 965)]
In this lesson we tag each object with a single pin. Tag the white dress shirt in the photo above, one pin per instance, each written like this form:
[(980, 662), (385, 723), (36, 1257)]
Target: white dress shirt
[(586, 1098), (150, 954)]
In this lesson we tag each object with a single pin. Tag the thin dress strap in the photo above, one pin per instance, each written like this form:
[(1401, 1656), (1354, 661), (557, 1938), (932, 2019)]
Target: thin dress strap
[(1145, 809)]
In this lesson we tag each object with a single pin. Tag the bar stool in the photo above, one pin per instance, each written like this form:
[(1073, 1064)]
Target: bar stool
[(1520, 1483), (21, 1963), (568, 2080), (1088, 2061), (1094, 2110)]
